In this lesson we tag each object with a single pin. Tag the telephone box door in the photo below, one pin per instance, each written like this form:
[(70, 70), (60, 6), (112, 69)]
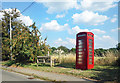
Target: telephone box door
[(81, 52)]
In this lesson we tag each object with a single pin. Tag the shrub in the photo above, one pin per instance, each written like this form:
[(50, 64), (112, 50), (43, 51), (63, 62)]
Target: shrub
[(118, 61)]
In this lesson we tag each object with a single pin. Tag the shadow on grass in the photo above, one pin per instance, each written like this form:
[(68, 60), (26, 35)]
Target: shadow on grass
[(66, 65), (42, 64), (107, 74), (10, 63)]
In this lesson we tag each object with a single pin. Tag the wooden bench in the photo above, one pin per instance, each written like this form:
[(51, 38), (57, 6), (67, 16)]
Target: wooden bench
[(45, 59)]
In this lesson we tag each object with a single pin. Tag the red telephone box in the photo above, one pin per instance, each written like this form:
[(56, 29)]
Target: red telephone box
[(84, 50)]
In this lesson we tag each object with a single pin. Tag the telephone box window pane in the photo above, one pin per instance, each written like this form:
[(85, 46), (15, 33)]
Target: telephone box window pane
[(90, 43), (81, 35), (90, 35), (80, 41), (80, 49), (79, 59), (90, 40), (80, 46), (90, 62), (90, 59), (79, 52), (79, 62), (90, 52), (90, 56), (90, 46), (80, 56), (90, 49)]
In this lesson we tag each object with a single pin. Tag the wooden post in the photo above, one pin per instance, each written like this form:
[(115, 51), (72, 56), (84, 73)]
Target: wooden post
[(48, 53), (53, 62), (43, 60), (37, 62), (50, 61)]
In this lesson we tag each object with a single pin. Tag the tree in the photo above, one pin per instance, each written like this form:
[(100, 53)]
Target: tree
[(73, 50), (27, 45), (118, 46), (65, 49), (99, 52), (6, 31), (53, 49)]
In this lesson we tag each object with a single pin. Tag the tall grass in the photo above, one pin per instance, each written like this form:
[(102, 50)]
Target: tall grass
[(66, 60), (109, 58)]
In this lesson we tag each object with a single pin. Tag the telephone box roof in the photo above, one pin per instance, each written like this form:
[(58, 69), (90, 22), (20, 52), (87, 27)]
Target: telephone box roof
[(84, 32)]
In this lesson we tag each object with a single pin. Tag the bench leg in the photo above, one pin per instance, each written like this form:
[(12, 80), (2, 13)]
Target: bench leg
[(43, 60), (53, 62), (37, 62), (50, 61)]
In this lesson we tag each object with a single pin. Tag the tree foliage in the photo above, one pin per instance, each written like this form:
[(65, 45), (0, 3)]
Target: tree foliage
[(100, 52), (27, 42), (73, 50), (65, 49), (53, 49), (118, 46)]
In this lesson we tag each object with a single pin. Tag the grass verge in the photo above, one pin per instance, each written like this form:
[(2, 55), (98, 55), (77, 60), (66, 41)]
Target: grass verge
[(99, 73)]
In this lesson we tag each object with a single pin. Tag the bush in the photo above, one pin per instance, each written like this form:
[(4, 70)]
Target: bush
[(118, 62)]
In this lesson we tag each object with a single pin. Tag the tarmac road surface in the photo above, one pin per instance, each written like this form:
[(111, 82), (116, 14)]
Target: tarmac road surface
[(12, 76)]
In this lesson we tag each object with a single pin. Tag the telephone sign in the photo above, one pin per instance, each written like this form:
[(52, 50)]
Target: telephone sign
[(84, 50)]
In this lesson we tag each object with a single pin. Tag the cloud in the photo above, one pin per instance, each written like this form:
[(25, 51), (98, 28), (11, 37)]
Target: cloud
[(58, 5), (76, 30), (106, 37), (114, 30), (60, 16), (115, 15), (98, 31), (59, 39), (53, 26), (97, 5), (47, 18), (25, 19), (1, 15), (60, 42), (88, 17), (68, 42), (71, 41), (113, 20), (105, 41), (55, 6)]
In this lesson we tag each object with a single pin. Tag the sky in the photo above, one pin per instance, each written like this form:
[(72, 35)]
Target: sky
[(61, 20)]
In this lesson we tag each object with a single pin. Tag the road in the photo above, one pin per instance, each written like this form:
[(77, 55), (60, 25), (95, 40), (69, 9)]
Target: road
[(12, 76)]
